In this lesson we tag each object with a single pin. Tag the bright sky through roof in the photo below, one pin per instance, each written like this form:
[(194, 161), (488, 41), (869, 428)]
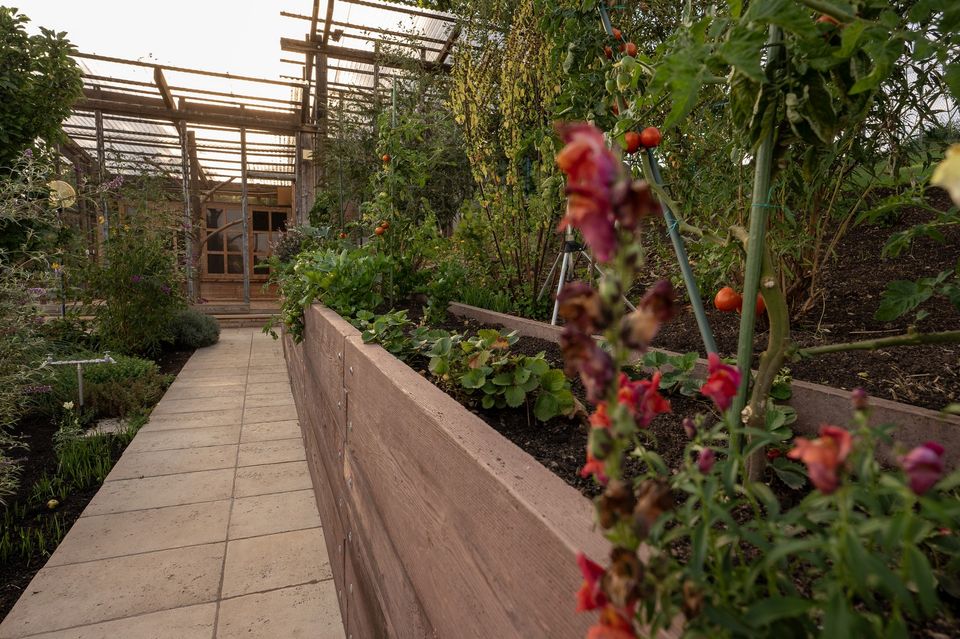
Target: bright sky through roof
[(236, 36)]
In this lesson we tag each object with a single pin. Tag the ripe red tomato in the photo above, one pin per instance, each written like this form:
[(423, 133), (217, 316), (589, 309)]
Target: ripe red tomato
[(727, 300), (343, 236), (379, 230), (607, 51), (761, 305), (385, 158), (650, 137), (773, 453), (630, 49), (632, 140), (617, 34), (385, 224)]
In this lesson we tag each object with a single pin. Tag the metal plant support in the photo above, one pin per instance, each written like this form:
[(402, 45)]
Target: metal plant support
[(106, 359)]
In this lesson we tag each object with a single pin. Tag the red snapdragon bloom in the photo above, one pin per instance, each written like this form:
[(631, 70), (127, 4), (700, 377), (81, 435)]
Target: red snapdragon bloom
[(594, 467), (612, 626), (721, 386), (592, 169), (600, 418), (706, 460), (823, 456), (924, 466), (642, 398), (590, 596)]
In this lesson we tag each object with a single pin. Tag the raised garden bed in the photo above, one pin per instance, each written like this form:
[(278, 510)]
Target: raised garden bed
[(425, 508), (815, 403)]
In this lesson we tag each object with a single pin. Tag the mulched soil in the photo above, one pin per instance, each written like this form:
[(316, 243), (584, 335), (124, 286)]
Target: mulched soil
[(38, 458), (926, 376)]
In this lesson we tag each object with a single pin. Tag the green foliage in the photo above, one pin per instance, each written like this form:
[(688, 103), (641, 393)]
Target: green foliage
[(347, 281), (192, 329), (903, 296), (677, 371), (140, 286), (128, 388), (388, 330), (39, 81)]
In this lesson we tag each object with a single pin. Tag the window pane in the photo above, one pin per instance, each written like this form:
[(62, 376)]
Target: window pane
[(279, 221), (233, 215), (260, 265), (261, 220), (214, 218), (215, 264), (234, 241), (261, 242), (235, 264), (215, 243)]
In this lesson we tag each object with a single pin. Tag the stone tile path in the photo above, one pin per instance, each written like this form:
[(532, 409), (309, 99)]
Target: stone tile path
[(206, 528)]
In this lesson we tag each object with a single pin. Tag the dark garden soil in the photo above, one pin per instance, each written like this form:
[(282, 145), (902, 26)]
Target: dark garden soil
[(926, 376), (37, 459)]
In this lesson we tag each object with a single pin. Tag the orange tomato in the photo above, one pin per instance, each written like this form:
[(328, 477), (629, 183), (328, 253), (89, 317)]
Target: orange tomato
[(379, 230), (727, 300), (630, 49)]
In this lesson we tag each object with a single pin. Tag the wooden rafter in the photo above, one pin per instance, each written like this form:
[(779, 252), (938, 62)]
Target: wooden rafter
[(359, 55), (448, 45), (164, 88)]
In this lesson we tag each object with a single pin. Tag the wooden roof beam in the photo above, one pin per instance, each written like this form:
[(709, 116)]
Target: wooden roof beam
[(164, 88), (123, 104), (361, 56), (448, 45)]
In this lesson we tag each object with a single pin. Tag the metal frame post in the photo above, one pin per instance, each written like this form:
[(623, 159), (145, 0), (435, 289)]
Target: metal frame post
[(187, 211), (244, 215)]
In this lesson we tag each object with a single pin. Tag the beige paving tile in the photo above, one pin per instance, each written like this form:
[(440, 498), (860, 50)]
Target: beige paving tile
[(189, 622), (128, 533), (267, 378), (261, 368), (184, 438), (274, 561), (289, 429), (269, 414), (194, 392), (271, 452), (226, 380), (304, 611), (271, 478), (203, 404), (194, 420), (156, 492), (169, 462), (279, 512), (270, 388), (283, 398), (225, 371), (65, 596)]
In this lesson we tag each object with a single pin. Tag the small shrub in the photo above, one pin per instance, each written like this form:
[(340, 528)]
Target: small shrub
[(191, 329), (128, 387)]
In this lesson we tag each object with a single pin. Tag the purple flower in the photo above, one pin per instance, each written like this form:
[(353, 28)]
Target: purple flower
[(28, 154), (859, 399), (37, 389), (706, 460), (689, 427), (166, 289), (37, 291), (924, 466), (135, 279)]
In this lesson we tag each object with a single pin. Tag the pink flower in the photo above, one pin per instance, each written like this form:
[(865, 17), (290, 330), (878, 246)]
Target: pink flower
[(824, 456), (924, 466), (642, 398), (590, 596), (721, 386), (592, 169), (706, 460)]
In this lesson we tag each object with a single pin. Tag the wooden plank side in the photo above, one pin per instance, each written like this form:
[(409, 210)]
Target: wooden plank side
[(403, 612), (364, 618), (478, 524)]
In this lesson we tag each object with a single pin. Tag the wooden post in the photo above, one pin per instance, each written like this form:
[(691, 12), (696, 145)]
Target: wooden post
[(243, 213), (102, 172), (187, 211), (322, 119), (376, 87), (196, 209)]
